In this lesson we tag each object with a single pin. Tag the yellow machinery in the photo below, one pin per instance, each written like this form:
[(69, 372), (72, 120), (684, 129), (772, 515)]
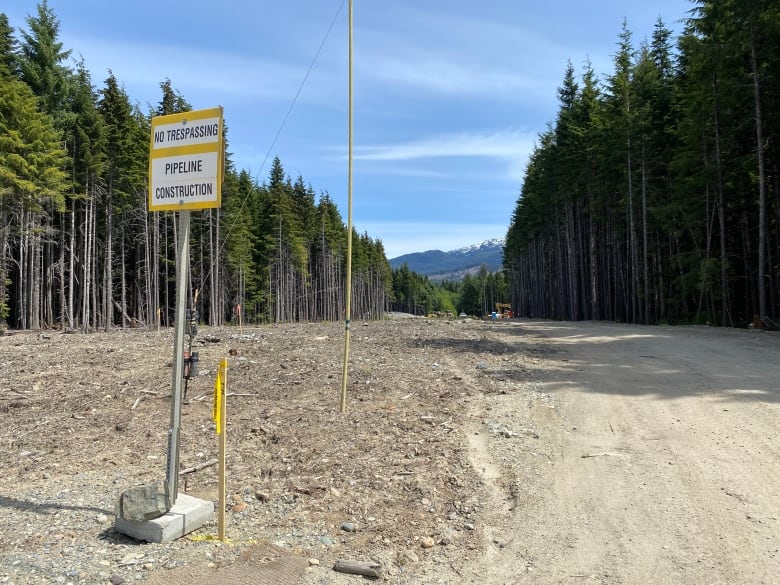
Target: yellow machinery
[(504, 310)]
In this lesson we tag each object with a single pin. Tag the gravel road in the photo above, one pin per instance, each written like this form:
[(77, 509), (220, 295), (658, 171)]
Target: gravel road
[(658, 459)]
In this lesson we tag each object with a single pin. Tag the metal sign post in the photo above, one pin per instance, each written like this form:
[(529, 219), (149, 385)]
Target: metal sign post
[(182, 267), (186, 167)]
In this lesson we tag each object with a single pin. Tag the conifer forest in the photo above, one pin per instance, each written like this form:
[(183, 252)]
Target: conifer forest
[(80, 249), (652, 197)]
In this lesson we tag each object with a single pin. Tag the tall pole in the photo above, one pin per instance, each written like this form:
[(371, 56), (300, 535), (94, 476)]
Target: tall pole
[(348, 308), (182, 267)]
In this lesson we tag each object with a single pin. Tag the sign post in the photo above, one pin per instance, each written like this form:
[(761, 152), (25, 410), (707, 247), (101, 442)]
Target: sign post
[(186, 163), (185, 173), (182, 266)]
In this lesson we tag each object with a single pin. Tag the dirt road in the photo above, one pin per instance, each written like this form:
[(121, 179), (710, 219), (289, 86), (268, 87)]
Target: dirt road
[(657, 459)]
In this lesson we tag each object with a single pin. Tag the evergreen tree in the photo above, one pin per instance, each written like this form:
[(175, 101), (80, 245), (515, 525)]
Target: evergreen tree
[(116, 111), (283, 254), (88, 132), (31, 180), (172, 101), (41, 63), (240, 241), (8, 47)]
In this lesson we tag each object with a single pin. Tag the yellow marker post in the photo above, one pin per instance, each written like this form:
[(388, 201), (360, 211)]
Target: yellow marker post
[(220, 407), (217, 416)]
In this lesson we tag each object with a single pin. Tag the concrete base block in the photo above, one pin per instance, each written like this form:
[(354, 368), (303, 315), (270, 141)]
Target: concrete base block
[(187, 514)]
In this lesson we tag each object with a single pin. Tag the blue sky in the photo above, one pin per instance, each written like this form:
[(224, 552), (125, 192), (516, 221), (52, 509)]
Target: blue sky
[(449, 95)]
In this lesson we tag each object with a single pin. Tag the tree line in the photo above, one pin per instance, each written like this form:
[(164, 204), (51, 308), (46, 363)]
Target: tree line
[(654, 196), (79, 248), (475, 295)]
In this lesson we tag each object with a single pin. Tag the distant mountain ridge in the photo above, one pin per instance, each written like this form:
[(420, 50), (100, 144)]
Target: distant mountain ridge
[(455, 264)]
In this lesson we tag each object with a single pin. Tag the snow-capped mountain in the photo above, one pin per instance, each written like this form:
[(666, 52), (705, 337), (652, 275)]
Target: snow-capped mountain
[(453, 265), (483, 245)]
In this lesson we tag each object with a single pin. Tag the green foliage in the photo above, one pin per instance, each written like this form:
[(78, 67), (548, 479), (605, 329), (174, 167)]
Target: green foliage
[(41, 65), (126, 144), (87, 130), (31, 175), (8, 47), (239, 193), (480, 292), (445, 301), (276, 249), (412, 292), (640, 203), (475, 295), (31, 157), (172, 101)]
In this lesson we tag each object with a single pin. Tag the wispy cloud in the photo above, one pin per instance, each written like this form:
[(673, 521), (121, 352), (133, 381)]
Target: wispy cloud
[(405, 172), (192, 70), (436, 51), (511, 144), (510, 148), (437, 74)]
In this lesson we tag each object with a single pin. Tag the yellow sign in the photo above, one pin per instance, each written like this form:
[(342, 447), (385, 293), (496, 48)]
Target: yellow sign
[(186, 161), (219, 389)]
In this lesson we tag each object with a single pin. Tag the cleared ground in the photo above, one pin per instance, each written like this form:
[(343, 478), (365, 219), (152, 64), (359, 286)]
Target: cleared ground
[(471, 452)]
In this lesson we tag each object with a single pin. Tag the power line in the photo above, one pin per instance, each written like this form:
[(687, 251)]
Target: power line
[(300, 87), (284, 121)]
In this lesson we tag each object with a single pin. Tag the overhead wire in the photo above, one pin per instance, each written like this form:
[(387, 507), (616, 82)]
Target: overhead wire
[(300, 87), (282, 125)]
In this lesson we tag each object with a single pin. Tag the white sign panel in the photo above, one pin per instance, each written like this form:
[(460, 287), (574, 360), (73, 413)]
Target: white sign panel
[(186, 133), (191, 178), (185, 161)]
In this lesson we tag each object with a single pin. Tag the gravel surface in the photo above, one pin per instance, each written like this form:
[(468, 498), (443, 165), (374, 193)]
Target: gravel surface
[(471, 452), (84, 417)]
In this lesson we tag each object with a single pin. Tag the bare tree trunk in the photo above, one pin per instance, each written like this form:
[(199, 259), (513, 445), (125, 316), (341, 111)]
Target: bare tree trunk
[(212, 278), (24, 252), (217, 292), (572, 303), (632, 255), (34, 274), (155, 264), (150, 308), (594, 267), (49, 270), (108, 293), (201, 268), (166, 276), (123, 277), (63, 272), (762, 308), (724, 282), (645, 267), (278, 277), (4, 255), (87, 272), (72, 268), (709, 218), (95, 311)]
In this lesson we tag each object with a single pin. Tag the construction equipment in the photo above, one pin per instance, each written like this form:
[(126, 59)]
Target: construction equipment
[(504, 310)]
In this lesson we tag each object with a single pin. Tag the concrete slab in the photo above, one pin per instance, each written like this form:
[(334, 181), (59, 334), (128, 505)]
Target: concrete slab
[(187, 514)]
